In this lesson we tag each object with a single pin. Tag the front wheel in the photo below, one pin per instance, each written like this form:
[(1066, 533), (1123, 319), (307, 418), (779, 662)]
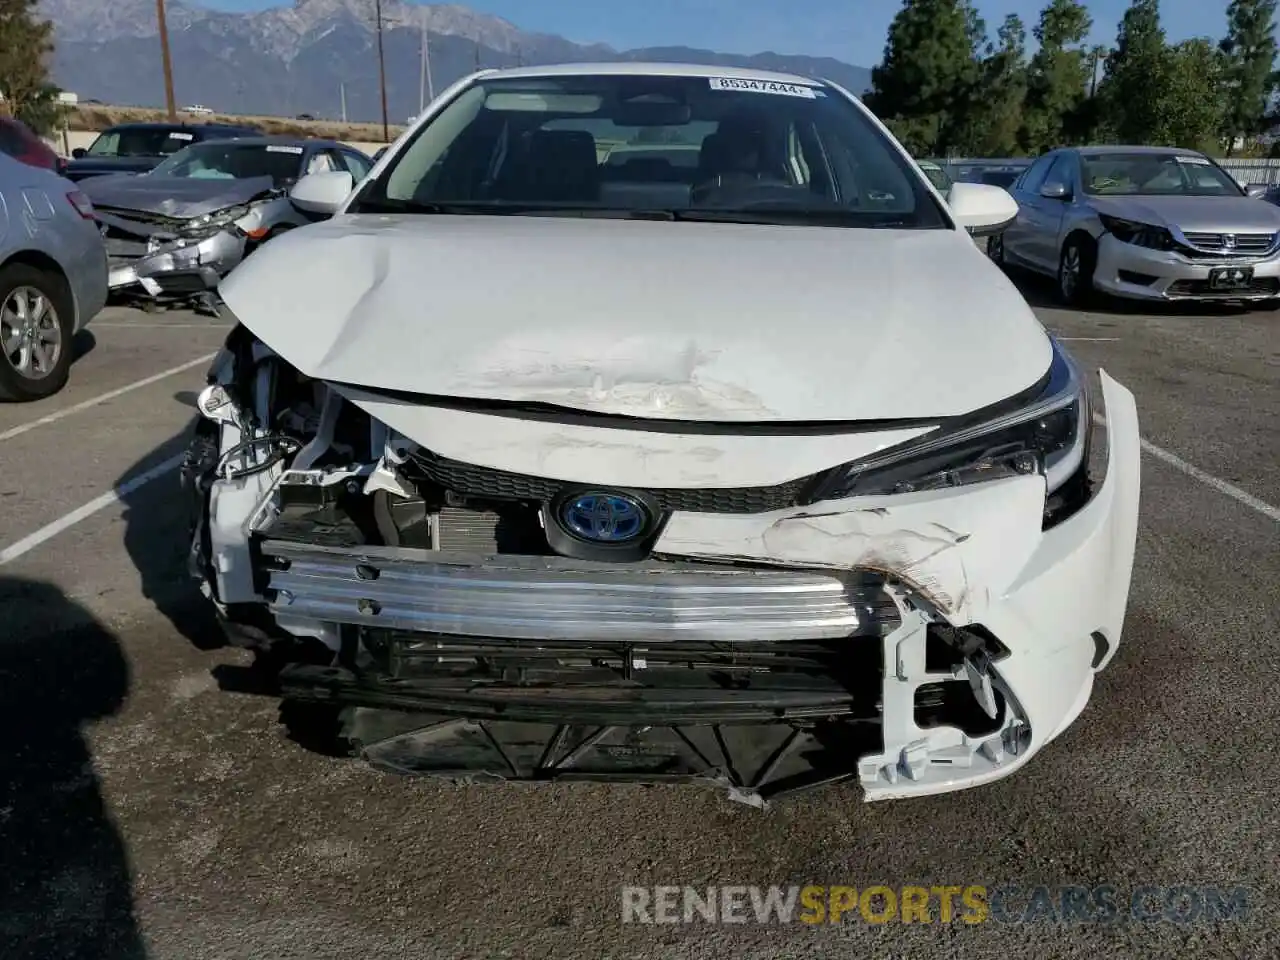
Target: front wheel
[(1075, 271), (36, 317), (995, 249)]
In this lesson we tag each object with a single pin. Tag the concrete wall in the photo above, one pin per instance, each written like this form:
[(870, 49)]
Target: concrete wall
[(77, 138)]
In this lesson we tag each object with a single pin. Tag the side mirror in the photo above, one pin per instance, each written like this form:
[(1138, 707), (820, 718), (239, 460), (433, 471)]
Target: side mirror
[(982, 209), (1257, 189), (322, 193), (1055, 190), (79, 153)]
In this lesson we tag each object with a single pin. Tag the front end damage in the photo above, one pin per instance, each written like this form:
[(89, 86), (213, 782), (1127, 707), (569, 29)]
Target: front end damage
[(914, 642), (166, 260)]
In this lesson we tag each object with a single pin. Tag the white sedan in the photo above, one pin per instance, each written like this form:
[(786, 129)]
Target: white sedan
[(736, 462)]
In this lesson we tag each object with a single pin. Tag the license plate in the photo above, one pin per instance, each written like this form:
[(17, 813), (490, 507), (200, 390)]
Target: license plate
[(1230, 278)]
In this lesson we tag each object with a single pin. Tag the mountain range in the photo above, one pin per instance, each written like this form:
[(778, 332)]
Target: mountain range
[(315, 55)]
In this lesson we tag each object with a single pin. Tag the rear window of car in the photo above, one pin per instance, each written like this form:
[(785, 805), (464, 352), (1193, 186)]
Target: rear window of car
[(140, 142)]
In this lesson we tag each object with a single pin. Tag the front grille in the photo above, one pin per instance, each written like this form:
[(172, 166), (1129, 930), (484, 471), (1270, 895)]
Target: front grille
[(1241, 244), (486, 483), (1259, 287)]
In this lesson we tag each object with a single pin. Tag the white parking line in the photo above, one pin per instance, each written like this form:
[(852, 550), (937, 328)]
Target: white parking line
[(110, 395), (1089, 339), (1208, 479), (48, 532)]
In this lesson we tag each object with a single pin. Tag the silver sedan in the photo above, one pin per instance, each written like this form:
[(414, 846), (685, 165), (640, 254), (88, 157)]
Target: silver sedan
[(53, 278), (1145, 223)]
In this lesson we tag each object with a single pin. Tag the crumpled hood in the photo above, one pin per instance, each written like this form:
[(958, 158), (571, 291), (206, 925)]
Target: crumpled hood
[(1196, 214), (684, 321), (179, 197)]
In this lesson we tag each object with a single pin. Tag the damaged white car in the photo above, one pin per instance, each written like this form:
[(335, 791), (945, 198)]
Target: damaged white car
[(662, 423)]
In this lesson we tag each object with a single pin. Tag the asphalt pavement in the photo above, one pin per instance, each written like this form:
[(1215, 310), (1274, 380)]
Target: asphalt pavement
[(151, 805)]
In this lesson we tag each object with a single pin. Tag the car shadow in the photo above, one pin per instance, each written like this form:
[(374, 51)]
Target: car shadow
[(82, 345), (156, 519), (66, 887)]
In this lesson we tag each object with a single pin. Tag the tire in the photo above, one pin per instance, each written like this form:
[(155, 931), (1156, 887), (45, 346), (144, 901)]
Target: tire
[(36, 327), (995, 250), (1076, 263)]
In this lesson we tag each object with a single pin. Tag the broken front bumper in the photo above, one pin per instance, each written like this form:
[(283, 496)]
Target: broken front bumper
[(767, 651), (174, 268)]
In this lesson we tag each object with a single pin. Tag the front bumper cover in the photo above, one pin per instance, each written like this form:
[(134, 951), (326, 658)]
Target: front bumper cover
[(174, 269), (1138, 273)]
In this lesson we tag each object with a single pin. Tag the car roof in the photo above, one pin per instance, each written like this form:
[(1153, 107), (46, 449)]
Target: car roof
[(161, 125), (279, 140), (657, 69), (1099, 150)]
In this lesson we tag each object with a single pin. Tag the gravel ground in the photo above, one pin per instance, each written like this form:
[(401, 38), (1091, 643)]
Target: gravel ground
[(148, 809)]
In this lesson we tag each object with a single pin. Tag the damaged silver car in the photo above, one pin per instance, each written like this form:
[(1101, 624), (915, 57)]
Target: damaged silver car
[(172, 233)]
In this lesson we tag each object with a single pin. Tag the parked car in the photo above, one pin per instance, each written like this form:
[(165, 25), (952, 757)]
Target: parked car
[(937, 176), (532, 467), (53, 278), (137, 147), (17, 140), (199, 110), (1145, 223), (174, 231)]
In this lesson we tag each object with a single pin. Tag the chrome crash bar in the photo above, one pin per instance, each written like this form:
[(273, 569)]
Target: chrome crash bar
[(549, 598)]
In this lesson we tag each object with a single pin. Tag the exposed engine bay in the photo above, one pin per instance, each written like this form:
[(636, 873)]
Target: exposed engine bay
[(437, 610)]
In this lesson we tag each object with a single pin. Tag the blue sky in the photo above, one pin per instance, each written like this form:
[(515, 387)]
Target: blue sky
[(852, 30)]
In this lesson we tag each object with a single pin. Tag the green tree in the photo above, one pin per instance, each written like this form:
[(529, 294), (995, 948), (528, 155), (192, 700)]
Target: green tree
[(926, 86), (1132, 99), (995, 118), (25, 41), (1057, 77), (1195, 96), (1248, 70)]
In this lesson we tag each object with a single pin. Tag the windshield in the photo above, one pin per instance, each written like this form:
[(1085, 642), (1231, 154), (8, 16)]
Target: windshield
[(1155, 174), (727, 149), (230, 161), (139, 143)]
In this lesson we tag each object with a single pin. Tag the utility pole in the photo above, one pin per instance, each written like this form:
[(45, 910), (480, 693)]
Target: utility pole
[(477, 56), (382, 74), (169, 102), (342, 97), (426, 90)]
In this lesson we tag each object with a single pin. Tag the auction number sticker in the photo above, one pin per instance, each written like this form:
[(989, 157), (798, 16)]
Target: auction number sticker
[(182, 136), (763, 86), (1201, 161), (278, 148)]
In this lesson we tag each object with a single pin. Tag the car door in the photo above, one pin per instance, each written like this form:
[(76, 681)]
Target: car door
[(1018, 237), (1050, 212), (1041, 216)]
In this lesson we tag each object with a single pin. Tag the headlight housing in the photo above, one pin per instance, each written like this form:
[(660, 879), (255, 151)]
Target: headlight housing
[(1139, 234), (1047, 434), (212, 222)]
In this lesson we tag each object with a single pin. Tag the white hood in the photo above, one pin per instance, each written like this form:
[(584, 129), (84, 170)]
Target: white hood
[(684, 321)]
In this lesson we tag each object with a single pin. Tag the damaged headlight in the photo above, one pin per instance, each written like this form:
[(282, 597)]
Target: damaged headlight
[(1048, 436), (1139, 234), (213, 222)]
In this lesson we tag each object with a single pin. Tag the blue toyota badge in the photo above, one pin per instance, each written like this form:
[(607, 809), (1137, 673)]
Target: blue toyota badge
[(605, 517)]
